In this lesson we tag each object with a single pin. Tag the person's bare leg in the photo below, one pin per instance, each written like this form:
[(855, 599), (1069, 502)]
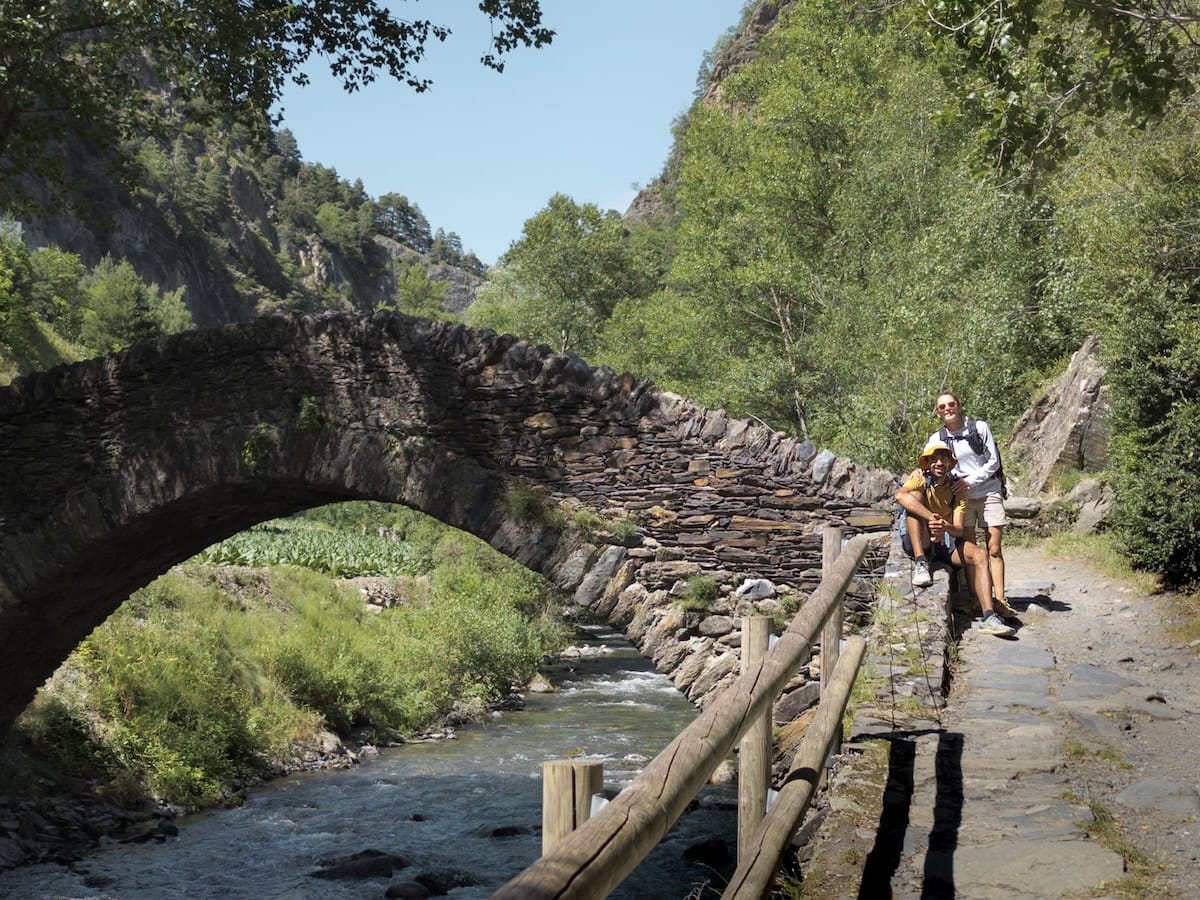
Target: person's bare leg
[(975, 560), (995, 541), (918, 535)]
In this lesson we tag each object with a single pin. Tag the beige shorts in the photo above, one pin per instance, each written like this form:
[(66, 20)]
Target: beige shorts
[(986, 512)]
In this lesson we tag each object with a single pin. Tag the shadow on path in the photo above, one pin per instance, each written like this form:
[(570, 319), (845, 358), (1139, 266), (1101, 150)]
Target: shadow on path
[(885, 856), (1039, 601)]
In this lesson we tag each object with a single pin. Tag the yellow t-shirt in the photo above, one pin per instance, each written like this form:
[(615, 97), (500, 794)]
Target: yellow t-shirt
[(939, 499)]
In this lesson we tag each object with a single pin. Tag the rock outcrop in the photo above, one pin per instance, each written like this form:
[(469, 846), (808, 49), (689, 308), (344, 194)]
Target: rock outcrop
[(1066, 429)]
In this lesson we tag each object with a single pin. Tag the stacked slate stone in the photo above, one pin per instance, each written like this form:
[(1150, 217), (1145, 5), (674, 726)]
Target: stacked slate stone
[(166, 447)]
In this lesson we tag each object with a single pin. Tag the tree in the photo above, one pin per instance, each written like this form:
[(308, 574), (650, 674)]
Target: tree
[(572, 263), (339, 230), (418, 295), (1021, 69), (15, 278), (56, 295), (446, 248), (402, 221), (122, 309), (78, 69)]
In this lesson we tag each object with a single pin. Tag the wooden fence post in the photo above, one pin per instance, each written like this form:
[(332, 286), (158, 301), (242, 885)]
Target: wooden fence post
[(754, 874), (567, 788), (754, 751), (831, 635)]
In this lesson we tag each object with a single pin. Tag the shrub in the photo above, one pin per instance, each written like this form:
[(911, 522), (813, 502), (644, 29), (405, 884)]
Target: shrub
[(588, 522), (699, 594), (527, 505), (623, 529), (257, 451), (309, 417)]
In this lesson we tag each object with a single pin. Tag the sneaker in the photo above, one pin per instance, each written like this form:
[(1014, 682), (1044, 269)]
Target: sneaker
[(921, 577), (1003, 609), (993, 624)]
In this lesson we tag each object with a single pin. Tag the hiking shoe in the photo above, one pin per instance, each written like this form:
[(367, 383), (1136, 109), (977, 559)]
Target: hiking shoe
[(1003, 609), (921, 577), (993, 624)]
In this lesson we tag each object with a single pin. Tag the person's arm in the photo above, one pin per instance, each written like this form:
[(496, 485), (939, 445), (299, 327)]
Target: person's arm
[(988, 469), (957, 528)]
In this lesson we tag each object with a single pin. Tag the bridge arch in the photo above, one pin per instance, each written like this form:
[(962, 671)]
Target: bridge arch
[(116, 468)]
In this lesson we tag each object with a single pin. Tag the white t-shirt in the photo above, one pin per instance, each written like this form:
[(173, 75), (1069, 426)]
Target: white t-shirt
[(978, 470)]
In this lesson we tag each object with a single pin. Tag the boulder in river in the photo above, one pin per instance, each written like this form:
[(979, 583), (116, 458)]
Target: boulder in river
[(442, 881), (364, 864)]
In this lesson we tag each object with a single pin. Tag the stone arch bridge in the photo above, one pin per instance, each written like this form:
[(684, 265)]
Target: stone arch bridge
[(114, 469)]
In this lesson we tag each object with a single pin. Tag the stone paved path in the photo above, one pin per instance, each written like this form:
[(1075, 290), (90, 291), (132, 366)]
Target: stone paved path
[(992, 800)]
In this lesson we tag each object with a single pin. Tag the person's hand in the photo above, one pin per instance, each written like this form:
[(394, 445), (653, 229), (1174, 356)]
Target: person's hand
[(959, 486), (937, 527)]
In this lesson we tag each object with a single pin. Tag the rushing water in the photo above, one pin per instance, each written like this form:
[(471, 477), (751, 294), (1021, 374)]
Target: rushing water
[(435, 804)]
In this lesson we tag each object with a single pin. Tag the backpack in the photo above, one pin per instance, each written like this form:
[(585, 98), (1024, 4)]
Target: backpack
[(979, 447)]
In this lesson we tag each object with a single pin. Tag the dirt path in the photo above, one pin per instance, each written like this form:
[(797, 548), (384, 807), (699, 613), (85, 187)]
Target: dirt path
[(1065, 763)]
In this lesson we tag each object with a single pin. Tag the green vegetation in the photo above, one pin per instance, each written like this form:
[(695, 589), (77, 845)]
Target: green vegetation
[(319, 547), (258, 450), (1185, 609), (560, 281), (623, 529), (588, 522), (699, 594), (52, 309), (213, 674), (309, 418), (1140, 882), (528, 505)]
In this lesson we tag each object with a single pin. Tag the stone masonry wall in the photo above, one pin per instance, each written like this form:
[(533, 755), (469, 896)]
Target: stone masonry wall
[(114, 469)]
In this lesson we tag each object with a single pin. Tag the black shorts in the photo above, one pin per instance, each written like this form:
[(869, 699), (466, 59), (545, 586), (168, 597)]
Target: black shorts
[(939, 552)]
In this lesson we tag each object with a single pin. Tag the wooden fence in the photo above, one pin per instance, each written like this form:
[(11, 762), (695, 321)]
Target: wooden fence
[(590, 861)]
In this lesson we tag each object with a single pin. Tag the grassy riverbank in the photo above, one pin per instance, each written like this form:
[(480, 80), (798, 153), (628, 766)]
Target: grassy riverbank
[(219, 670)]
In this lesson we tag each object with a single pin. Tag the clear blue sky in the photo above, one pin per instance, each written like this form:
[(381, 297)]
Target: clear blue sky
[(589, 116)]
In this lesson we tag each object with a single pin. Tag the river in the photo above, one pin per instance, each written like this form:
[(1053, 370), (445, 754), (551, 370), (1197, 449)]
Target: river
[(436, 804)]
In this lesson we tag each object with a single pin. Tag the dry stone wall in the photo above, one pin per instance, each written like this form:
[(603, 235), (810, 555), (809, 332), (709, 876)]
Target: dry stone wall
[(117, 468)]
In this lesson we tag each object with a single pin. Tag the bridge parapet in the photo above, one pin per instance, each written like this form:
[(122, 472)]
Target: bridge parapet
[(115, 469)]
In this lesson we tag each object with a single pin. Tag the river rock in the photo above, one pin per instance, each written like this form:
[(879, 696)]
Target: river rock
[(755, 589), (364, 864), (715, 626), (407, 890), (440, 882), (724, 773), (539, 685)]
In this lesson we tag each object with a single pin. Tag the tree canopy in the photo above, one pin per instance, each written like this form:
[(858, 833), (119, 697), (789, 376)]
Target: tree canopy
[(80, 69), (1023, 68)]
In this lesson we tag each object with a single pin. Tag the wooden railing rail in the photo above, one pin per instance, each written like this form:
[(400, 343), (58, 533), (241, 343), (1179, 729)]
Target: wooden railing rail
[(595, 858), (757, 867)]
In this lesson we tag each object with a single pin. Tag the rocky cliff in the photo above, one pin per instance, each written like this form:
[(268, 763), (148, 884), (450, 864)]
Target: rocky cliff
[(210, 215)]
